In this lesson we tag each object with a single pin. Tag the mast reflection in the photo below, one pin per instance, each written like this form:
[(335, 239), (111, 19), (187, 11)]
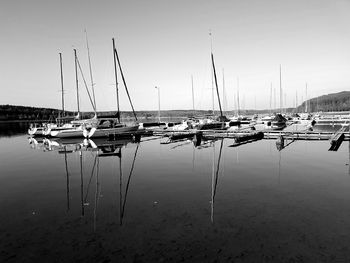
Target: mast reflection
[(100, 148), (215, 176), (123, 200)]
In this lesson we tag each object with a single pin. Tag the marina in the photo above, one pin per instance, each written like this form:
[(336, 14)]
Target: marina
[(179, 200), (175, 131)]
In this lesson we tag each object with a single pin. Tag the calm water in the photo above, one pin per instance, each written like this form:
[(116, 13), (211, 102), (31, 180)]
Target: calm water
[(153, 202)]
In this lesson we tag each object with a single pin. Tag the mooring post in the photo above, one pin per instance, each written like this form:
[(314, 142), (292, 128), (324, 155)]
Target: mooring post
[(280, 142), (197, 138)]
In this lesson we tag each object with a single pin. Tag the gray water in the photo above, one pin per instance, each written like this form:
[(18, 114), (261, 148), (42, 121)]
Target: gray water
[(153, 202)]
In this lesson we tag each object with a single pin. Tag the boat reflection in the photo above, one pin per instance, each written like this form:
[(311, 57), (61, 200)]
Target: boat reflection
[(99, 148)]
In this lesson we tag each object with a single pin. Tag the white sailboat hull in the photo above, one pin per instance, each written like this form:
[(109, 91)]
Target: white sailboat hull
[(67, 133), (36, 131)]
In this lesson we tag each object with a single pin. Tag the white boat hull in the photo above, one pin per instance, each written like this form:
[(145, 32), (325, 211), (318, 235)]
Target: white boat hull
[(36, 131), (67, 133)]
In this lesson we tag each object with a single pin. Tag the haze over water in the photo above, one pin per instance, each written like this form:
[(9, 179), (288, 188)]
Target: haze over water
[(177, 203)]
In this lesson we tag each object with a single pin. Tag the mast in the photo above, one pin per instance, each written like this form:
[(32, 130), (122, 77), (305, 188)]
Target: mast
[(274, 99), (62, 84), (86, 87), (116, 80), (270, 98), (212, 89), (216, 84), (306, 108), (281, 95), (76, 81), (158, 103), (285, 102), (237, 96), (92, 81), (234, 103), (212, 80), (124, 82), (224, 91), (192, 96)]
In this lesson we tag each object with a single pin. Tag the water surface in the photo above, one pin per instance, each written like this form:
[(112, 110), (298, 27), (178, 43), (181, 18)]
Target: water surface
[(153, 202)]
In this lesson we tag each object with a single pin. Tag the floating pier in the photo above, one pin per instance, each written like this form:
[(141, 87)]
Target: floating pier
[(135, 135), (303, 135), (337, 139)]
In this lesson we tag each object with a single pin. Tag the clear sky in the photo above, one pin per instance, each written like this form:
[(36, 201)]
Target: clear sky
[(162, 43)]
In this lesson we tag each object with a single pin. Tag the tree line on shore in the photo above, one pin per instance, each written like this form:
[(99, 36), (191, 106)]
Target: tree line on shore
[(332, 102)]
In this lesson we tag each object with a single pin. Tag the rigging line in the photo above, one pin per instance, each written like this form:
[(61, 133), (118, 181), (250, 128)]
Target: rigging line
[(92, 82), (127, 184), (126, 88), (86, 87)]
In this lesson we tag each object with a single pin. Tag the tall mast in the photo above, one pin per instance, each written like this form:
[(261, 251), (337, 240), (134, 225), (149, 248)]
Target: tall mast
[(270, 98), (281, 95), (285, 102), (92, 81), (224, 92), (158, 103), (274, 99), (234, 103), (237, 96), (306, 109), (116, 80), (216, 84), (76, 80), (192, 95), (62, 84), (212, 73), (124, 82), (86, 87)]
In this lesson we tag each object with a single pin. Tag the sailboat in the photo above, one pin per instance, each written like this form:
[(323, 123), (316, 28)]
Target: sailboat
[(36, 130), (107, 126), (75, 127), (220, 122), (279, 122), (44, 129)]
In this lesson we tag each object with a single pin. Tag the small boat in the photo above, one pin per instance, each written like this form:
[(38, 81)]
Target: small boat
[(267, 120), (278, 122), (36, 130)]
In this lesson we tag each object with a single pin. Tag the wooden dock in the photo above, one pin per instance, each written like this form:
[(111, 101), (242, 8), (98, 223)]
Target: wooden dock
[(249, 134)]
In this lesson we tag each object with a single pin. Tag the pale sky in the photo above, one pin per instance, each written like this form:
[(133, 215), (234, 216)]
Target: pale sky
[(162, 43)]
